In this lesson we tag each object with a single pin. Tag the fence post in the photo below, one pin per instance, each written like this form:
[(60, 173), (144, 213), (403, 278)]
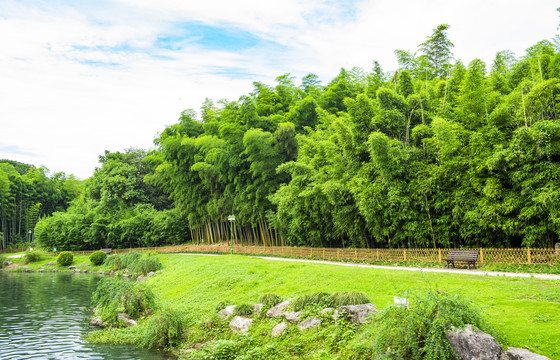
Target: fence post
[(323, 253), (356, 253), (439, 254), (481, 256), (311, 253), (404, 252), (338, 253), (377, 254), (529, 255)]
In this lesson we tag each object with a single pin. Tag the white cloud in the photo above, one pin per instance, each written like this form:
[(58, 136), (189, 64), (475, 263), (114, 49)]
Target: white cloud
[(77, 79)]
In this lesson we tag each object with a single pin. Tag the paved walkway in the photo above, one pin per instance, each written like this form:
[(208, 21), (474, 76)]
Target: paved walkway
[(405, 268)]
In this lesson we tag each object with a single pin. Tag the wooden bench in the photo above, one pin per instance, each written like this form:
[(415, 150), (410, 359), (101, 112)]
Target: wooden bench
[(107, 251), (468, 256)]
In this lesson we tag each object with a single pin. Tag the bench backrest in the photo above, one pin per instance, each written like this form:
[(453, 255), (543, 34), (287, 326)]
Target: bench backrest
[(107, 251), (466, 255)]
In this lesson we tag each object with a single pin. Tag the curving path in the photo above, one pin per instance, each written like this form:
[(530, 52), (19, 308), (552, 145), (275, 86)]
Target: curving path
[(404, 268)]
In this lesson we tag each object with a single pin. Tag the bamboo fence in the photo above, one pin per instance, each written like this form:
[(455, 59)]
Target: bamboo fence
[(486, 255)]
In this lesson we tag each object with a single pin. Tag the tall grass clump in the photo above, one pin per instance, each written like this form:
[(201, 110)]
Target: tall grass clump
[(270, 300), (32, 256), (65, 258), (2, 261), (325, 300), (243, 310), (97, 258), (145, 264), (420, 332), (114, 295), (122, 261), (164, 330)]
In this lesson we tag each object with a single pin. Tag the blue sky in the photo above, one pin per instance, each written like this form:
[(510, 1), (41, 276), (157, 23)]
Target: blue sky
[(81, 77)]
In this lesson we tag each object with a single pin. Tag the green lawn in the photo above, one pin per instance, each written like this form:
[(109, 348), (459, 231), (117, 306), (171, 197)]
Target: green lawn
[(526, 311)]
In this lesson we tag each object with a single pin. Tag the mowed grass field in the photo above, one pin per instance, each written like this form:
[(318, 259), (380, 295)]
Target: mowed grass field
[(526, 311)]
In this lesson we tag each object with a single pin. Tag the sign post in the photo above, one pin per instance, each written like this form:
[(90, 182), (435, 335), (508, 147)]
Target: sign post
[(231, 219)]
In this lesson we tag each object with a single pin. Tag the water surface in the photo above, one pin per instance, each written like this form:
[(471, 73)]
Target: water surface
[(45, 316)]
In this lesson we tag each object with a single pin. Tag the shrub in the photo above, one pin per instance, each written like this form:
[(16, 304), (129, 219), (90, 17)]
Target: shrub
[(243, 310), (270, 300), (32, 256), (145, 265), (420, 333), (97, 258), (315, 299), (164, 330), (65, 258), (114, 295)]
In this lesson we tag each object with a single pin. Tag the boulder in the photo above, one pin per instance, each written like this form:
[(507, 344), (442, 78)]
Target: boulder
[(27, 270), (101, 272), (141, 278), (473, 344), (279, 329), (326, 311), (291, 316), (356, 314), (257, 308), (226, 312), (309, 323), (72, 267), (123, 317), (77, 271), (51, 263), (521, 354), (96, 321), (278, 310), (151, 273), (240, 324)]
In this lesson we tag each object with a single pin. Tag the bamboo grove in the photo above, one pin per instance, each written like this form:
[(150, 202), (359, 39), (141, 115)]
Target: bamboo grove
[(26, 194), (434, 154)]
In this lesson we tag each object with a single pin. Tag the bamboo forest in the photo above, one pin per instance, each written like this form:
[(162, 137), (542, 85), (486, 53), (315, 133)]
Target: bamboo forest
[(437, 153)]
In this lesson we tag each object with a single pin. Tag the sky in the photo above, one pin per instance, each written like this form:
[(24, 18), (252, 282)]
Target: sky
[(78, 77)]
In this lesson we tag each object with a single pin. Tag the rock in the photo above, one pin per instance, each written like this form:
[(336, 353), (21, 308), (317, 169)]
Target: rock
[(77, 271), (291, 316), (240, 324), (356, 314), (96, 321), (521, 354), (41, 270), (279, 329), (72, 267), (257, 308), (54, 270), (227, 312), (85, 270), (123, 317), (471, 344), (141, 278), (326, 311), (151, 273), (8, 263), (51, 263), (278, 310), (101, 272), (27, 270), (309, 323)]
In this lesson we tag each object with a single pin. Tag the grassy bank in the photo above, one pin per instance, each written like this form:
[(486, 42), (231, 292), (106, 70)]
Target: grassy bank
[(525, 311)]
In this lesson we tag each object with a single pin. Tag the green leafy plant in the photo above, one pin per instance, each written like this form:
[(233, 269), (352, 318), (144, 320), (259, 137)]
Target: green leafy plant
[(65, 258), (113, 296), (32, 256), (243, 310), (164, 330), (222, 305), (2, 261), (321, 299), (97, 258), (122, 261), (420, 333), (347, 298)]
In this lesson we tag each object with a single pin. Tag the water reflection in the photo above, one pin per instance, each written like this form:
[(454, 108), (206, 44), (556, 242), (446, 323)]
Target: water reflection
[(45, 315)]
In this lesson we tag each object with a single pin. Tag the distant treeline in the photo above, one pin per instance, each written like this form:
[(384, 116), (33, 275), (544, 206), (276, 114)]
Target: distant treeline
[(434, 154)]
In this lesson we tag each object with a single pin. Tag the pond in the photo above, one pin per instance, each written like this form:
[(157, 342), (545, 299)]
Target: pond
[(45, 316)]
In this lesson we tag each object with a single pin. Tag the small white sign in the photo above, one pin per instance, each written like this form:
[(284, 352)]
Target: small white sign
[(401, 302), (231, 218)]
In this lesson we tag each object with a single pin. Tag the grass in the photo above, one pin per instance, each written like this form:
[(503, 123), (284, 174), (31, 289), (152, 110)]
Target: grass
[(524, 310)]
